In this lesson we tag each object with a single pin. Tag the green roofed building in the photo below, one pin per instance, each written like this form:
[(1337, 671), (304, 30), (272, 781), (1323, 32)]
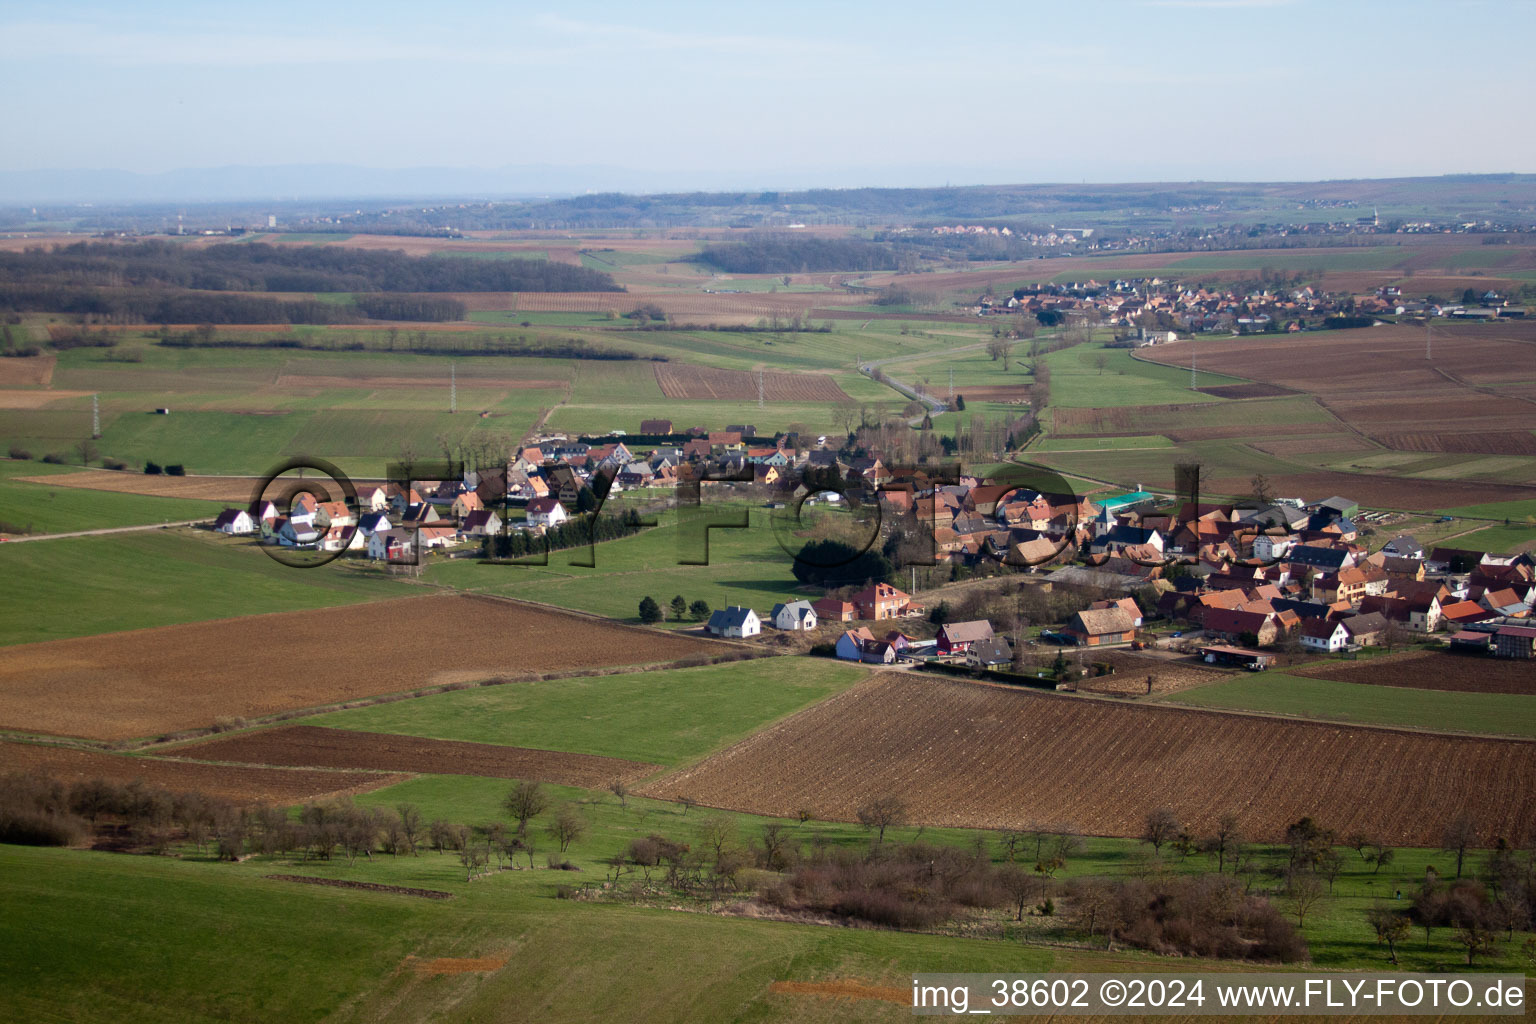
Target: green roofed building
[(1122, 502)]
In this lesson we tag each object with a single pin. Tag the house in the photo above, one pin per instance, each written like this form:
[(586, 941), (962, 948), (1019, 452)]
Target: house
[(1102, 626), (1365, 630), (1325, 559), (1125, 604), (957, 637), (261, 511), (482, 522), (438, 535), (297, 532), (546, 512), (1420, 613), (830, 609), (989, 653), (850, 646), (335, 513), (371, 498), (1515, 642), (419, 514), (881, 601), (236, 522), (1404, 546), (655, 426), (465, 503), (1234, 624), (878, 652), (734, 621), (392, 545), (1324, 635), (372, 522), (793, 615)]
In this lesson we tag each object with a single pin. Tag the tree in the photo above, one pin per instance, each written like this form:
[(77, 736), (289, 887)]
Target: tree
[(1161, 826), (620, 790), (650, 611), (1101, 361), (699, 610), (526, 801), (586, 500), (1390, 927), (716, 832), (567, 827), (88, 452), (1302, 890), (1459, 835), (679, 608), (1262, 494), (410, 826), (960, 403), (1224, 840), (881, 813), (1019, 885)]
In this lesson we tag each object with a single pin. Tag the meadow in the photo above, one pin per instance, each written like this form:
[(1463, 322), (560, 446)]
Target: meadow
[(85, 585), (38, 508), (1489, 714)]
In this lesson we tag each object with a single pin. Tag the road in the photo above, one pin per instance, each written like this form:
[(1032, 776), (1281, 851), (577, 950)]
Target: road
[(933, 404), (99, 533)]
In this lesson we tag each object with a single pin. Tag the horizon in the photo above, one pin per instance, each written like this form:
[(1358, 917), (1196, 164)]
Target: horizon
[(684, 98)]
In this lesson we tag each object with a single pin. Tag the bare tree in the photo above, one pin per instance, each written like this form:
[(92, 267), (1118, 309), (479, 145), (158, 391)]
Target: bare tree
[(526, 801), (567, 827), (1019, 885), (410, 826), (775, 838), (881, 813), (1161, 826), (620, 790), (1224, 841), (1390, 926), (1459, 835), (716, 832), (1302, 890)]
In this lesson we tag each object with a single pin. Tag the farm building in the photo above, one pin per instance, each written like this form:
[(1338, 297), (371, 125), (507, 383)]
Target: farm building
[(850, 646), (236, 522), (1096, 628), (1233, 624), (793, 615), (830, 609), (957, 637), (1515, 642), (989, 653), (734, 621), (881, 601), (1365, 630), (1125, 604), (1251, 660), (655, 426)]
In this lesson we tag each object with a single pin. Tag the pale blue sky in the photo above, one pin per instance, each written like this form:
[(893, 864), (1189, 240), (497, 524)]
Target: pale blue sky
[(783, 93)]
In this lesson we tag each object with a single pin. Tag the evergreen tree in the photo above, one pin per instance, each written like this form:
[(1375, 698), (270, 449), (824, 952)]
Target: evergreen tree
[(699, 610), (650, 611), (679, 607)]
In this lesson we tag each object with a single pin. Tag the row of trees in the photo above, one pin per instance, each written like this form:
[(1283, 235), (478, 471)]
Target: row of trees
[(651, 612), (582, 529), (773, 253)]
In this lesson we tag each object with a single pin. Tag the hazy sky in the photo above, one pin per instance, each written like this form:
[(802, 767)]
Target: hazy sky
[(780, 93)]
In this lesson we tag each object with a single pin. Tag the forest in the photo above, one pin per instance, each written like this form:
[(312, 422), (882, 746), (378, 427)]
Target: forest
[(796, 254)]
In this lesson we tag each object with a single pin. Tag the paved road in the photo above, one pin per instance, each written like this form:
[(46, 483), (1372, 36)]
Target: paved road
[(98, 533)]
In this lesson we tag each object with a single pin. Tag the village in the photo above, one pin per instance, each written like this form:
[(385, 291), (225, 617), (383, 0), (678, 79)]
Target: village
[(1236, 583)]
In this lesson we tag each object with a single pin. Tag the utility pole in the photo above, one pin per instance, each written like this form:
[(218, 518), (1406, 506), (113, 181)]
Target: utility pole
[(453, 389), (951, 383), (1426, 337), (95, 416), (1193, 386), (760, 389)]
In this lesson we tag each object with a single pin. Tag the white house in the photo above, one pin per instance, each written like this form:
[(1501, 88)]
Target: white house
[(793, 615), (298, 532), (1269, 548), (734, 621), (546, 512), (371, 523), (236, 522), (371, 498), (1324, 635)]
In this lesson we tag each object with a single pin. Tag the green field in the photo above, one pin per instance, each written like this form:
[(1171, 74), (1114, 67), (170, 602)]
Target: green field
[(39, 508), (1077, 381), (664, 717), (86, 585), (1516, 511), (1076, 444), (745, 566), (1335, 700), (1498, 539)]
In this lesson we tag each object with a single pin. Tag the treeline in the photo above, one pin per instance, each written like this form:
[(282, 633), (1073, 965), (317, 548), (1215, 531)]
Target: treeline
[(156, 306), (422, 308), (793, 254), (417, 343), (257, 267)]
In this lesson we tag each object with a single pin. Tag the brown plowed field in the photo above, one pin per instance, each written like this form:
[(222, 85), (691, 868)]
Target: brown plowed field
[(305, 381), (152, 681), (27, 371), (1433, 670), (232, 782), (994, 393), (314, 747), (1307, 445), (1379, 491), (206, 488), (1131, 672), (679, 380), (1247, 391), (1500, 442), (14, 399), (969, 755)]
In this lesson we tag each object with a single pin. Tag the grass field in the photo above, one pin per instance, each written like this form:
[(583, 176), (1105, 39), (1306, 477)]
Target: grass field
[(1499, 539), (745, 566), (85, 585), (39, 508), (665, 717), (1516, 511), (1078, 382), (1334, 700)]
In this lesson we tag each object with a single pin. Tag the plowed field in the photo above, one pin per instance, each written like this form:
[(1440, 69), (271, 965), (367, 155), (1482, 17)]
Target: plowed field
[(233, 782), (234, 489), (152, 681), (27, 371), (962, 754), (678, 380), (314, 747), (1430, 670)]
